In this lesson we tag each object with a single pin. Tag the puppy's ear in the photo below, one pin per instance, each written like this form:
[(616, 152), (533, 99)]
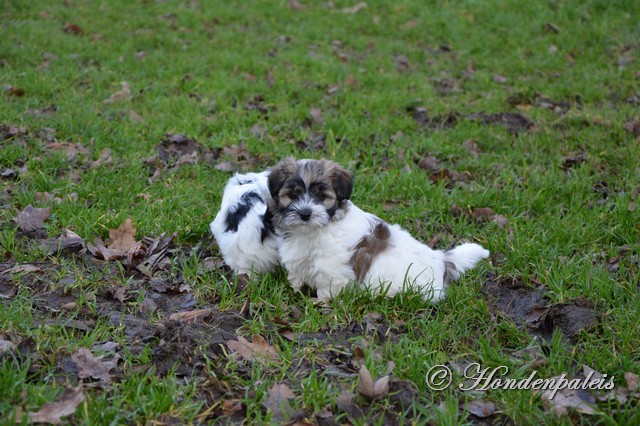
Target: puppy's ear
[(279, 174), (342, 181)]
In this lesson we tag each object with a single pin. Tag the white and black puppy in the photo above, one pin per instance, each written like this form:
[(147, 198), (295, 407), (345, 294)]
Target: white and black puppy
[(326, 242), (243, 227)]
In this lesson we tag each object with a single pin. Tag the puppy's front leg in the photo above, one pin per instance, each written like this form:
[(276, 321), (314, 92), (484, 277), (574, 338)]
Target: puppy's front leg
[(328, 292), (295, 281)]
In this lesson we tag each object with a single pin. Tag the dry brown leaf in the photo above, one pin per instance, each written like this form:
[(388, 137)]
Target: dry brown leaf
[(124, 94), (277, 402), (25, 267), (500, 220), (370, 388), (481, 408), (345, 402), (101, 252), (31, 218), (472, 148), (296, 5), (73, 29), (53, 412), (70, 150), (316, 116), (430, 163), (6, 346), (123, 238), (190, 316), (258, 131), (93, 367), (500, 79), (565, 399), (231, 406), (355, 8), (135, 117), (104, 158), (258, 349), (632, 380)]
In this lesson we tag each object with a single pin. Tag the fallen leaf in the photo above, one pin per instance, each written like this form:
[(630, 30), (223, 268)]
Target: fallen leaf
[(104, 158), (31, 219), (472, 148), (231, 406), (71, 150), (429, 162), (482, 213), (370, 388), (632, 380), (500, 79), (73, 29), (258, 131), (565, 399), (277, 402), (124, 94), (176, 146), (316, 116), (93, 367), (190, 316), (25, 267), (481, 408), (402, 62), (15, 92), (135, 117), (571, 161), (6, 346), (355, 8), (53, 412), (119, 292), (345, 402), (147, 305), (123, 238), (296, 5), (499, 220), (258, 349), (98, 250)]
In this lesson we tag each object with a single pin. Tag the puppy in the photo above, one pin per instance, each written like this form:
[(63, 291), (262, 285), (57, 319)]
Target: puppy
[(243, 227), (327, 242)]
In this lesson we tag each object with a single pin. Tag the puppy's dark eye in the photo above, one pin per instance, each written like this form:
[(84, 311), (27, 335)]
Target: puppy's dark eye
[(318, 190), (292, 191)]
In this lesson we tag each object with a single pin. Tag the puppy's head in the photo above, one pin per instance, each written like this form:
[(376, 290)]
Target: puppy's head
[(309, 192)]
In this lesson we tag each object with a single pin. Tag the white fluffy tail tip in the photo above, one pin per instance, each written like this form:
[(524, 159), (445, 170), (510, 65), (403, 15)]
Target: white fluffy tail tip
[(466, 256)]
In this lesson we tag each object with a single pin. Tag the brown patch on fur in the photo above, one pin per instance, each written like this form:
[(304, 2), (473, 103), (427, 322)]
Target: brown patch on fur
[(450, 272), (279, 175), (368, 248)]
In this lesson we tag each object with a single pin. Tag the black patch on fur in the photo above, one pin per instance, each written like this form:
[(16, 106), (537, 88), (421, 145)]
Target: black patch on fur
[(450, 272), (267, 225), (237, 214)]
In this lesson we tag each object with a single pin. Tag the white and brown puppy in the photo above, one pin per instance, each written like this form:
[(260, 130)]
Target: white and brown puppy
[(243, 227), (326, 242)]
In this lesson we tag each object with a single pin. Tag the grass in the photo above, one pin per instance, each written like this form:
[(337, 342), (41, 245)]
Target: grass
[(197, 68)]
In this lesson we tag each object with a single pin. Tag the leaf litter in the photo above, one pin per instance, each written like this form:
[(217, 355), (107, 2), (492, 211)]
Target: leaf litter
[(190, 332), (53, 412)]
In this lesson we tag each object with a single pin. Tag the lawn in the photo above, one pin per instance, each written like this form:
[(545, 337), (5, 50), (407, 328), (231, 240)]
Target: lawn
[(512, 124)]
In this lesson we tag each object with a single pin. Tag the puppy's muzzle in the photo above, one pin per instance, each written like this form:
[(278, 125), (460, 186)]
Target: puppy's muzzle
[(305, 214)]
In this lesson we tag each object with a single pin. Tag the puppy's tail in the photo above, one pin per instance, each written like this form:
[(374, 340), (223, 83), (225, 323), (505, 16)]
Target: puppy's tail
[(461, 259)]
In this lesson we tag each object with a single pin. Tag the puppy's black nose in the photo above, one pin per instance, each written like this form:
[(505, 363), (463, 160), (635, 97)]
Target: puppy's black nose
[(305, 214)]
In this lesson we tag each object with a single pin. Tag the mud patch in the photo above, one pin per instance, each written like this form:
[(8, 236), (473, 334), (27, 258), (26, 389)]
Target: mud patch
[(532, 311), (515, 122), (185, 346)]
